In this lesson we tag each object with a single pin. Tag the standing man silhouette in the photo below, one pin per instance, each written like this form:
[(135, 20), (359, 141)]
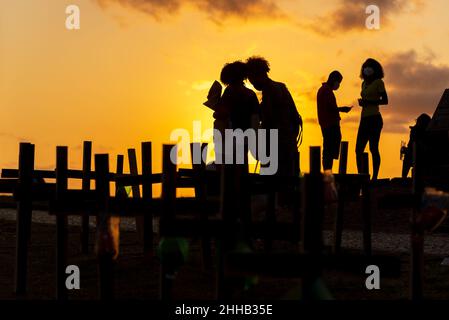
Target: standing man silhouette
[(329, 118), (278, 111)]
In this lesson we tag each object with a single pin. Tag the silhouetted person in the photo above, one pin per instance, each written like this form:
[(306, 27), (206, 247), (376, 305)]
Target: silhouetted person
[(278, 111), (417, 135), (329, 118), (238, 107), (373, 95)]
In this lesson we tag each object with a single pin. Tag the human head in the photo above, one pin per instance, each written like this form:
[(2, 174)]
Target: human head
[(233, 73), (258, 69), (423, 121), (334, 79), (371, 69)]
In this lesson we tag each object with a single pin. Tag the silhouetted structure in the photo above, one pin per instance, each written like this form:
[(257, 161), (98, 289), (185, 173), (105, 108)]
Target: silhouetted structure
[(437, 139), (180, 217)]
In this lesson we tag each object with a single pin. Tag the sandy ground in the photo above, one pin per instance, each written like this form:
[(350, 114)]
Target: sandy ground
[(137, 277)]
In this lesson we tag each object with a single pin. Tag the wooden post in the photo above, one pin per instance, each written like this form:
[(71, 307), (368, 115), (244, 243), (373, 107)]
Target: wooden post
[(366, 216), (168, 214), (228, 210), (24, 212), (343, 164), (147, 194), (297, 206), (342, 170), (168, 183), (270, 218), (115, 220), (120, 164), (136, 191), (199, 167), (87, 167), (120, 191), (366, 205), (61, 221), (30, 217), (417, 234), (315, 166), (313, 202), (105, 239)]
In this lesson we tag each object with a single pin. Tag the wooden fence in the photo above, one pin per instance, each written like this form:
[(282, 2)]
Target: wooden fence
[(181, 217)]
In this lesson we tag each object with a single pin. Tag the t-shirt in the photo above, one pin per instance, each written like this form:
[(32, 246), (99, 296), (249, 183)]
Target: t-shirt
[(278, 111), (372, 91), (327, 109), (237, 105)]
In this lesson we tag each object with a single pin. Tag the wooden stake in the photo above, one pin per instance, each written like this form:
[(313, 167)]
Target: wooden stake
[(147, 194), (87, 166), (24, 212), (61, 221), (343, 164), (105, 239), (136, 192), (168, 213)]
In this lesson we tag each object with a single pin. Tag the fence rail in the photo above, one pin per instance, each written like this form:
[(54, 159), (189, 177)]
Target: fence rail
[(181, 217)]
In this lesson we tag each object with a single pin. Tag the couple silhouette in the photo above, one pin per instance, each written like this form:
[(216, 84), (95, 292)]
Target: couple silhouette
[(373, 94), (239, 108)]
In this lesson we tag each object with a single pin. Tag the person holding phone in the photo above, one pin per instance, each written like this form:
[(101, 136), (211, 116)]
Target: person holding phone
[(329, 118), (373, 95)]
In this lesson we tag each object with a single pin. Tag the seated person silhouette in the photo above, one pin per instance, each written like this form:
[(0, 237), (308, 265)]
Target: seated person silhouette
[(417, 134)]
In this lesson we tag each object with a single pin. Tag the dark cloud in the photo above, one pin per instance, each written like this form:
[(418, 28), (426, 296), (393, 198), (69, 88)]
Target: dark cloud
[(217, 10), (351, 14), (415, 86)]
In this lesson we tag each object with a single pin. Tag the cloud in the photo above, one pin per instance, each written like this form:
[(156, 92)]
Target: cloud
[(216, 10), (350, 15), (201, 85), (12, 136), (415, 86)]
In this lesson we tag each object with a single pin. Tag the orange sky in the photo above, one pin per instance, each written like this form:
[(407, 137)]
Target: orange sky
[(138, 69)]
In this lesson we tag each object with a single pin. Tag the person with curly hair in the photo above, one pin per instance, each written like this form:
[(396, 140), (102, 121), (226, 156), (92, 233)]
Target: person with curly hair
[(278, 111), (238, 106)]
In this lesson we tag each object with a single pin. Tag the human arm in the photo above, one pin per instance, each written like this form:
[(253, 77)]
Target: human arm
[(345, 109), (383, 100)]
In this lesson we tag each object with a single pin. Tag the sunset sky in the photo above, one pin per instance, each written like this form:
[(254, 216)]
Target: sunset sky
[(137, 69)]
